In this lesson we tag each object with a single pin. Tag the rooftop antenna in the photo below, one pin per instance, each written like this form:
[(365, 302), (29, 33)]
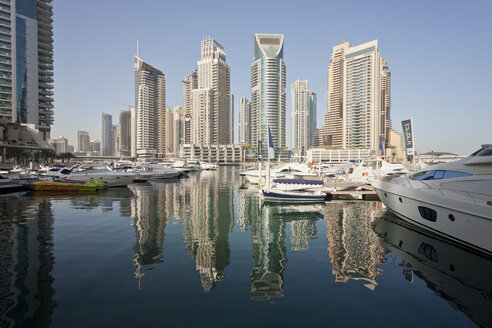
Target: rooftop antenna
[(138, 50)]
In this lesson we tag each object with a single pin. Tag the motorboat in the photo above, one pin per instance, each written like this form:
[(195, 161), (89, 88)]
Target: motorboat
[(87, 172), (208, 166), (194, 166), (157, 172), (306, 195), (66, 185), (452, 199), (286, 171)]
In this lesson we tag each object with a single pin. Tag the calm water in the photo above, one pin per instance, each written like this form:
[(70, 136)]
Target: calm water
[(205, 251)]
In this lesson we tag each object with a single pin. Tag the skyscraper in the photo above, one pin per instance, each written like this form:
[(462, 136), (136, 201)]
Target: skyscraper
[(124, 130), (268, 82), (303, 115), (358, 98), (365, 118), (212, 112), (190, 83), (26, 68), (332, 130), (116, 140), (178, 128), (244, 121), (166, 132), (150, 101), (83, 141), (106, 134)]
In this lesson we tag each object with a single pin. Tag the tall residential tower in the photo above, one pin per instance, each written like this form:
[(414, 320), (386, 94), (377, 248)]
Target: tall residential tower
[(244, 121), (150, 102), (106, 135), (26, 63), (358, 98), (303, 115), (268, 82), (212, 112)]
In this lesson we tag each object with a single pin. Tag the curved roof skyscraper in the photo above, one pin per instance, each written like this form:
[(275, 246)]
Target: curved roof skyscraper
[(268, 82)]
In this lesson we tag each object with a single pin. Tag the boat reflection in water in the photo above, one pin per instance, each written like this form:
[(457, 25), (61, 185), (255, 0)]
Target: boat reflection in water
[(26, 262), (354, 250), (460, 276)]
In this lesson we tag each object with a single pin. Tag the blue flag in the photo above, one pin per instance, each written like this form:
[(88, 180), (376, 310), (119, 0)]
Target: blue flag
[(271, 150)]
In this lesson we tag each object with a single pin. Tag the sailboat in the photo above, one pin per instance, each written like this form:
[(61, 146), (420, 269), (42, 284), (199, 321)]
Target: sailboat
[(273, 194)]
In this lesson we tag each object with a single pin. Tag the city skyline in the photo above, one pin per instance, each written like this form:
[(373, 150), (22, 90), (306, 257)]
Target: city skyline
[(419, 57)]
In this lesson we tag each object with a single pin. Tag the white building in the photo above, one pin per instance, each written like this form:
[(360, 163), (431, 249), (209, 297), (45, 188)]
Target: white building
[(178, 128), (337, 155), (244, 121), (226, 154), (268, 100), (303, 116)]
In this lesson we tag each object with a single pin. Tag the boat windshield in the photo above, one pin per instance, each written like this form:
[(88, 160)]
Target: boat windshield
[(486, 150), (438, 174)]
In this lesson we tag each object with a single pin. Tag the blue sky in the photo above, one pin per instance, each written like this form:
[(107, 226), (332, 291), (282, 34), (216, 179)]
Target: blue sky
[(438, 53)]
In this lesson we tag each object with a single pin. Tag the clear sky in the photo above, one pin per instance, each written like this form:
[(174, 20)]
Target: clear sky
[(439, 54)]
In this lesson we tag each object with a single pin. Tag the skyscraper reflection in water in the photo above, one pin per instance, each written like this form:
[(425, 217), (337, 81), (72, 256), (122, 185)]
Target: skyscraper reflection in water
[(269, 253), (354, 250), (208, 219), (26, 262)]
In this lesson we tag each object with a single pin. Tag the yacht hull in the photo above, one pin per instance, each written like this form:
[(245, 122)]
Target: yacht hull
[(110, 180), (462, 222)]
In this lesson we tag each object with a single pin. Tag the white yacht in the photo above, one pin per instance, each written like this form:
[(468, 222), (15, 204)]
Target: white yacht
[(87, 172), (208, 166), (157, 172), (452, 199), (286, 171)]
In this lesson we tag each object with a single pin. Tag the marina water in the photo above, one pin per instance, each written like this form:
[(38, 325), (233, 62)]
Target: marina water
[(205, 250)]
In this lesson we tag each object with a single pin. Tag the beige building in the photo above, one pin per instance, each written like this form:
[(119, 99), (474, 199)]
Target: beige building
[(190, 83), (395, 151), (179, 128), (303, 116), (166, 138), (150, 101), (212, 111), (358, 98)]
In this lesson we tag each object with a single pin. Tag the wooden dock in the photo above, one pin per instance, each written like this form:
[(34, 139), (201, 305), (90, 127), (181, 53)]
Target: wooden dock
[(354, 194)]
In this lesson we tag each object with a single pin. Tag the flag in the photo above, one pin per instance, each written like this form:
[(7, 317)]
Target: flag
[(271, 150), (408, 136)]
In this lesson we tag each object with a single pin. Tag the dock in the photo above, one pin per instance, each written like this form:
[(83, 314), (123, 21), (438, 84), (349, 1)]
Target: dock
[(353, 194)]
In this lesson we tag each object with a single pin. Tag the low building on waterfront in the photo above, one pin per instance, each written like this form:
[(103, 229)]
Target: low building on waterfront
[(225, 154), (337, 155)]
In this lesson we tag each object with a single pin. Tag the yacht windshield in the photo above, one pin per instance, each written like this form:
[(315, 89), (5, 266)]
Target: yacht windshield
[(486, 150), (439, 174)]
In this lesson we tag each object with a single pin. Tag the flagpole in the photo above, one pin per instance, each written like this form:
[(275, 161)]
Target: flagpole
[(268, 165)]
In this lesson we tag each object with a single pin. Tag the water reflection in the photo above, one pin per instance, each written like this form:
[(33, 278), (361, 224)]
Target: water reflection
[(26, 262), (354, 250), (460, 276)]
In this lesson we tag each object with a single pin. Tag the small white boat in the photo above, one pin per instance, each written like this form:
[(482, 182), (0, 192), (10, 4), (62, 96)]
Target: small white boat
[(452, 199)]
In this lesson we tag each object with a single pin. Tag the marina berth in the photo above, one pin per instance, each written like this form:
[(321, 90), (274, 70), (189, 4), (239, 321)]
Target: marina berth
[(452, 199)]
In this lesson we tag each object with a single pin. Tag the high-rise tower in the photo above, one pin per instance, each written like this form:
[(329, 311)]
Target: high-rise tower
[(106, 134), (26, 63), (150, 102), (124, 131), (268, 81), (212, 112), (244, 121), (303, 115), (190, 83), (358, 98)]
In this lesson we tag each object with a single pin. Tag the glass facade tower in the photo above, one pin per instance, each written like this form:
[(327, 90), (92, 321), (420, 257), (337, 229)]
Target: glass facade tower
[(26, 63), (268, 98)]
